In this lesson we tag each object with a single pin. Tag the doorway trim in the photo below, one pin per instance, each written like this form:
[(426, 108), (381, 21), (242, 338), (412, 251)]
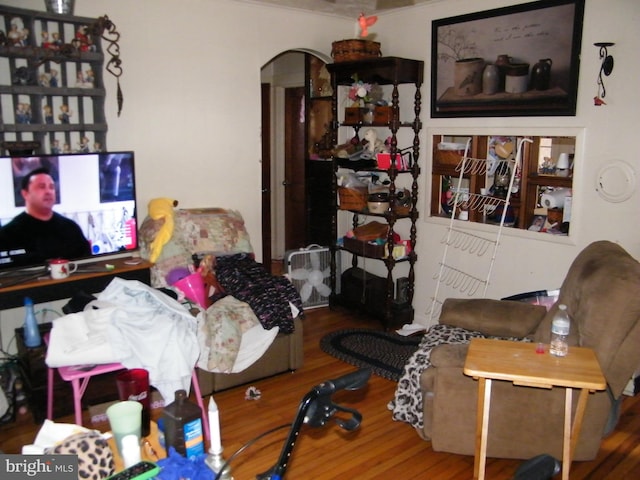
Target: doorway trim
[(273, 228)]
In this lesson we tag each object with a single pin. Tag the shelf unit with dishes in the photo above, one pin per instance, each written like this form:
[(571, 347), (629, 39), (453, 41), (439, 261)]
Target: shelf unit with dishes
[(500, 181), (534, 175), (387, 296)]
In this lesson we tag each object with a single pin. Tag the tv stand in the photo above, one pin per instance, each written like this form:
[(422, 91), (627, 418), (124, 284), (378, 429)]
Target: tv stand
[(89, 278)]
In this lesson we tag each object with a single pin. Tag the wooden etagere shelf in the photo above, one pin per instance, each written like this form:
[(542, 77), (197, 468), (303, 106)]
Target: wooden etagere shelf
[(378, 296)]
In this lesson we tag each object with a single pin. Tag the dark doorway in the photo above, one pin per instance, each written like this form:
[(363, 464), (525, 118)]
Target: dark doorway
[(296, 181), (265, 93), (294, 170)]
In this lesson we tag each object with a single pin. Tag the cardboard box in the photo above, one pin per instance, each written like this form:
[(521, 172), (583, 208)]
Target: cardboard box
[(98, 413)]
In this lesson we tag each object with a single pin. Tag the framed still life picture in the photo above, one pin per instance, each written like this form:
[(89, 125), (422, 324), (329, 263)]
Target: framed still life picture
[(521, 60)]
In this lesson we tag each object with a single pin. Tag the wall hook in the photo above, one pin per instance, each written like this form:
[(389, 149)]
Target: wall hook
[(606, 67)]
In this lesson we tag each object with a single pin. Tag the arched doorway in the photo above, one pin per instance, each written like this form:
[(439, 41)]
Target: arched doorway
[(288, 202)]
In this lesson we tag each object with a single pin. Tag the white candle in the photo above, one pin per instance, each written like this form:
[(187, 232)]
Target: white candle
[(214, 427)]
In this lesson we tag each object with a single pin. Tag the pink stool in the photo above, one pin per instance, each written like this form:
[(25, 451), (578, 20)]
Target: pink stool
[(80, 377)]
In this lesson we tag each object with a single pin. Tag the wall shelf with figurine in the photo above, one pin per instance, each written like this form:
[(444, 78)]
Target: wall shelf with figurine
[(51, 85)]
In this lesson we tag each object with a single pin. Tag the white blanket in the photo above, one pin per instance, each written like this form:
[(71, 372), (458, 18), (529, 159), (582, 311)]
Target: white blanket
[(140, 327), (80, 339), (133, 325)]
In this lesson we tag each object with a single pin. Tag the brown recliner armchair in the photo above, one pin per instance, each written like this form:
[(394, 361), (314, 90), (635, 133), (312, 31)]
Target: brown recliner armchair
[(601, 291)]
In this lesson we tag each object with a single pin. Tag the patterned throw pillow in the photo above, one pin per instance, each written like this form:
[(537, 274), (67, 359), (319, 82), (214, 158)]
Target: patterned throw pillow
[(95, 459)]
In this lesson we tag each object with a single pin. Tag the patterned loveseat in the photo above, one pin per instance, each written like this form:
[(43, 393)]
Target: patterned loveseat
[(219, 232)]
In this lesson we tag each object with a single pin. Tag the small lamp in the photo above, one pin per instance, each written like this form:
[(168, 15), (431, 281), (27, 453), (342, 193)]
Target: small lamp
[(562, 165)]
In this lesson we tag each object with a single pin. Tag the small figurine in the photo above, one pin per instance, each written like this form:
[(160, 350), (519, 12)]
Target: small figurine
[(85, 80), (365, 23), (65, 113), (79, 80), (66, 148), (55, 147), (48, 114), (374, 145), (83, 145), (44, 39), (82, 40), (53, 78), (89, 79), (56, 41), (97, 147), (24, 40), (23, 113), (44, 80), (15, 32)]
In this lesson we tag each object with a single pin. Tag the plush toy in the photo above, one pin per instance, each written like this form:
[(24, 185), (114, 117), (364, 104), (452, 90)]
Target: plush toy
[(374, 145), (161, 209)]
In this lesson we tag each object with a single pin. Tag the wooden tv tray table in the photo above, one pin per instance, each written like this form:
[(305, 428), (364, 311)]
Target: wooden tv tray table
[(519, 363)]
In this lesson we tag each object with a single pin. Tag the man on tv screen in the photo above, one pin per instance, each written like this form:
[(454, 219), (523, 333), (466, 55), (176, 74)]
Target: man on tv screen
[(39, 234)]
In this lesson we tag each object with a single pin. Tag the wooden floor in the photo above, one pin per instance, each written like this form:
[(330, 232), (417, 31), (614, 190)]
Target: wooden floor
[(380, 449)]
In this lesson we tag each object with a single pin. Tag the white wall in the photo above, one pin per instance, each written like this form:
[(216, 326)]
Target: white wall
[(530, 261), (191, 85)]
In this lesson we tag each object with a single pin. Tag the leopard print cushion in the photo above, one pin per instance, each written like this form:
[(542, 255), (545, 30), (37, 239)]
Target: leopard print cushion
[(95, 459)]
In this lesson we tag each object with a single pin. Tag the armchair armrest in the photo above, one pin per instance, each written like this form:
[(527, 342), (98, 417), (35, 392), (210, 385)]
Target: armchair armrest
[(449, 355), (501, 318)]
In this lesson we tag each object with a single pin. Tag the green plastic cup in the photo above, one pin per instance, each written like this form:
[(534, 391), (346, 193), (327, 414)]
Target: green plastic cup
[(125, 419)]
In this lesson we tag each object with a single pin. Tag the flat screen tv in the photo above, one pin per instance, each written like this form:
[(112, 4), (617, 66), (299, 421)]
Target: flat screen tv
[(95, 190)]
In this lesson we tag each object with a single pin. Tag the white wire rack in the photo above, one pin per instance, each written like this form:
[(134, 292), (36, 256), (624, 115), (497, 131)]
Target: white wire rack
[(467, 273)]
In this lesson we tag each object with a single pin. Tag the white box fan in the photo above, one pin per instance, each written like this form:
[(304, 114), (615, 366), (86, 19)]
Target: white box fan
[(309, 269)]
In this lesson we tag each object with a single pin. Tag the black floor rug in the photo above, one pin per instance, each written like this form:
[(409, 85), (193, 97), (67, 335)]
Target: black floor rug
[(384, 352)]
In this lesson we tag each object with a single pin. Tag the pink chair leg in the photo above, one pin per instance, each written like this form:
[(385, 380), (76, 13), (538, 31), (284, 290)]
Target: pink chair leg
[(205, 412), (77, 396), (50, 393)]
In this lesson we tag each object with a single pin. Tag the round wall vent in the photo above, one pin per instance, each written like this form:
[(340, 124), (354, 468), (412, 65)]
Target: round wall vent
[(616, 181)]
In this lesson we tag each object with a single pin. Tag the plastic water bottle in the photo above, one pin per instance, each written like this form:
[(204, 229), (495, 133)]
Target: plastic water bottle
[(31, 332), (560, 327)]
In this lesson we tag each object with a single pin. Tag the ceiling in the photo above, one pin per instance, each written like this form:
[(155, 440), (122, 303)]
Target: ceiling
[(344, 8)]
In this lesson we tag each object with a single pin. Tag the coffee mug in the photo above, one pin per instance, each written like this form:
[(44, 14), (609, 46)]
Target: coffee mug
[(61, 268)]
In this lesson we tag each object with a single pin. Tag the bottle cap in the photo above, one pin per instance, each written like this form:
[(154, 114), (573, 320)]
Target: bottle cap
[(28, 301)]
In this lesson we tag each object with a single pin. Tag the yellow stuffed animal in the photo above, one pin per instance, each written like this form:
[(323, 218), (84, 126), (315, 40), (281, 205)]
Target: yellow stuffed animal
[(161, 209)]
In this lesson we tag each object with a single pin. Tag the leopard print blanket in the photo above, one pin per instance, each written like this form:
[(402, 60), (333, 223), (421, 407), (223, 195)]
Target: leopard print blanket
[(407, 403)]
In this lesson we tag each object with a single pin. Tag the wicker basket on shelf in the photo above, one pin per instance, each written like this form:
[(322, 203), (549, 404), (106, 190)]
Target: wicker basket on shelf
[(402, 209), (354, 49), (352, 199)]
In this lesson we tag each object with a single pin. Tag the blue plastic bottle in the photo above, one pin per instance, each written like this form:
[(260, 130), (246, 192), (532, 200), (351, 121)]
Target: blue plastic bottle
[(32, 336)]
